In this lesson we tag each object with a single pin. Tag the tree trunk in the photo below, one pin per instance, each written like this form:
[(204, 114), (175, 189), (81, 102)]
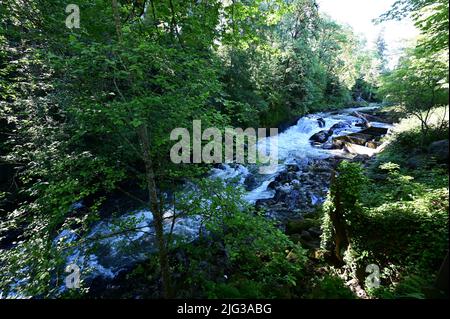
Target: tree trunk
[(155, 207), (442, 278), (341, 240), (117, 23), (157, 211)]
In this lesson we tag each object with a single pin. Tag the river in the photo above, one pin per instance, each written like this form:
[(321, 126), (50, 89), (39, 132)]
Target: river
[(116, 253)]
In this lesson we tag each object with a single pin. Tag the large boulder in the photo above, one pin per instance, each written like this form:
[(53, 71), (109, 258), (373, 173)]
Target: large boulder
[(320, 137), (250, 182), (415, 161), (439, 150), (273, 185), (339, 127)]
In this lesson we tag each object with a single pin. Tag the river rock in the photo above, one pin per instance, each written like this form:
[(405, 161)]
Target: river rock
[(296, 184), (321, 122), (272, 185), (336, 128), (285, 177), (261, 203), (414, 162), (362, 158), (281, 194), (250, 182), (292, 168), (439, 150), (372, 118), (293, 199), (320, 137), (362, 124), (328, 145)]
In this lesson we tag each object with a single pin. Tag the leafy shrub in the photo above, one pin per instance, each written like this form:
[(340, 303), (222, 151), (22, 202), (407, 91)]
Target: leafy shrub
[(345, 189), (242, 254), (410, 287), (348, 183), (331, 287)]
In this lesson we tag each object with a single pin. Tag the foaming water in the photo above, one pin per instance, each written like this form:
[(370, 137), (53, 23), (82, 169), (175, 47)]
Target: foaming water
[(116, 251), (294, 145)]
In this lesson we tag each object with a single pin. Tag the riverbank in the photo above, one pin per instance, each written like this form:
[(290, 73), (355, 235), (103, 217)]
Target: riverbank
[(286, 212), (291, 197), (300, 216)]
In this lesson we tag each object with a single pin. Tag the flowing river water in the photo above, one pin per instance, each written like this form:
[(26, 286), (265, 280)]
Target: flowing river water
[(115, 253)]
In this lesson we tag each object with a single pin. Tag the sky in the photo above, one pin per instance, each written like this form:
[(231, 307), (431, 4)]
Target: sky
[(359, 15)]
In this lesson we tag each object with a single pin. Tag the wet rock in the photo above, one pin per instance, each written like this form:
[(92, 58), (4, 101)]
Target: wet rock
[(250, 183), (285, 177), (372, 118), (292, 168), (360, 115), (296, 184), (320, 168), (281, 195), (321, 122), (363, 124), (272, 185), (336, 128), (320, 137), (220, 166), (299, 193), (281, 214), (302, 162), (293, 199), (328, 146)]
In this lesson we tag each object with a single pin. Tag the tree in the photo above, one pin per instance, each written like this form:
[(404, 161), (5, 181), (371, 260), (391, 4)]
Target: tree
[(109, 89), (420, 81), (87, 113), (381, 49), (431, 17), (418, 84)]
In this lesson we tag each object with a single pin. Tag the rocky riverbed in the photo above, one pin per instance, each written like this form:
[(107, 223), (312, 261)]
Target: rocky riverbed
[(291, 196)]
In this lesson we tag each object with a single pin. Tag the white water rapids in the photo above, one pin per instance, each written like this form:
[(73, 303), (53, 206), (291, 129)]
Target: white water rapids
[(117, 251)]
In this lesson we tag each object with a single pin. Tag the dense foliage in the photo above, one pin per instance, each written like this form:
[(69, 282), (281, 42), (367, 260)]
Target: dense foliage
[(86, 115)]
